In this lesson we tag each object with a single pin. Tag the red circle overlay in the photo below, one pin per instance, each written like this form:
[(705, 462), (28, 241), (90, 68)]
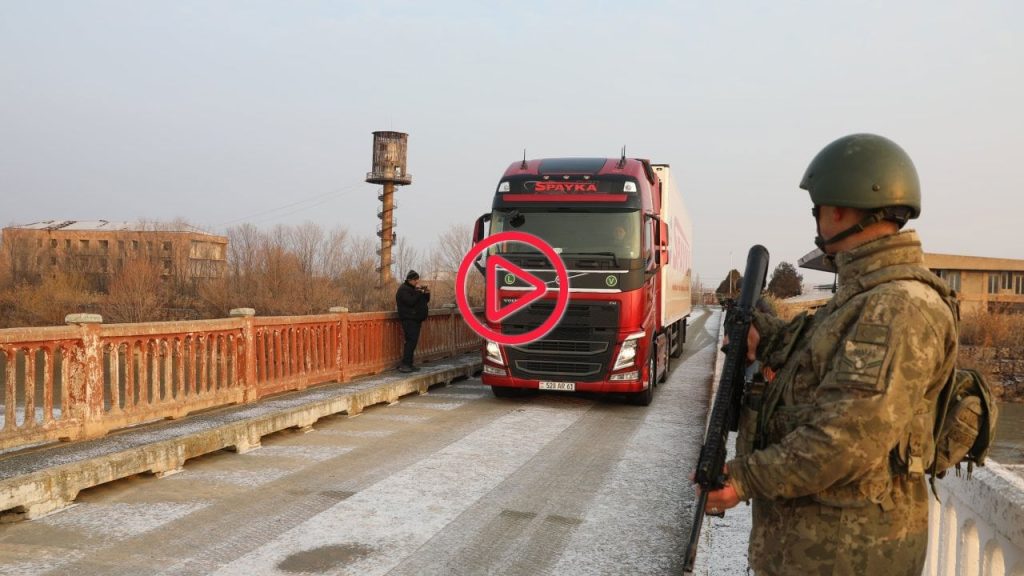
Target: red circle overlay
[(560, 304)]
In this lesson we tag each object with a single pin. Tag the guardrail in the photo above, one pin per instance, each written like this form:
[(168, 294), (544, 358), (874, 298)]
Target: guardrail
[(87, 379), (976, 528)]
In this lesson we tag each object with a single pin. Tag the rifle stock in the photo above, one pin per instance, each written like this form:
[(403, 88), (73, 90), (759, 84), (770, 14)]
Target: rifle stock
[(709, 475)]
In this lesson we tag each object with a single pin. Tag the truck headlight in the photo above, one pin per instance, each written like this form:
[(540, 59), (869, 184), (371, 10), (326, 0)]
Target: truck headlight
[(494, 353), (627, 353), (631, 375)]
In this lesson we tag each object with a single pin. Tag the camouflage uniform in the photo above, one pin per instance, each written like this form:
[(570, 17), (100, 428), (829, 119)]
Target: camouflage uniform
[(844, 431)]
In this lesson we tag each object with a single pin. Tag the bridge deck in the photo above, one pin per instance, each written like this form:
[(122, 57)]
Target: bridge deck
[(452, 482)]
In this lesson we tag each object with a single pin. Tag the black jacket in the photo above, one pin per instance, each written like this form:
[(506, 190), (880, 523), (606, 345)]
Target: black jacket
[(412, 304)]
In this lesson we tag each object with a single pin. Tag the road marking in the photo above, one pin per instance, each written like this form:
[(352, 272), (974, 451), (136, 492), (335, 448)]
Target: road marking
[(121, 520), (388, 521)]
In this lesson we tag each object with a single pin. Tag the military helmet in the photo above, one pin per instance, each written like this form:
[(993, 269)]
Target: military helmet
[(864, 171)]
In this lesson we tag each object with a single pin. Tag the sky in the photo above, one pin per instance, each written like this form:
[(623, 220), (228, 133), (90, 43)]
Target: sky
[(255, 111)]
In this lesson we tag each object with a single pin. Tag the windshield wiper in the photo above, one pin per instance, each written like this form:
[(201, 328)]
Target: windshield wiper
[(526, 259)]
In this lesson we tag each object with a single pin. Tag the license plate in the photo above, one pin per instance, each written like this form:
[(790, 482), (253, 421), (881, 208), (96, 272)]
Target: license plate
[(563, 386)]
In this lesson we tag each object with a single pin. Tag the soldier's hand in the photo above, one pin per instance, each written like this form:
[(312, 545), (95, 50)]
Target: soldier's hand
[(721, 500), (753, 339)]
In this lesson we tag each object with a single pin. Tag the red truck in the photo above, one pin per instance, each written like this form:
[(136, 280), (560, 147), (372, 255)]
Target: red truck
[(621, 229)]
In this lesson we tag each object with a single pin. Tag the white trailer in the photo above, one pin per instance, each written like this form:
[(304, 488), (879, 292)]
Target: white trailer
[(676, 299)]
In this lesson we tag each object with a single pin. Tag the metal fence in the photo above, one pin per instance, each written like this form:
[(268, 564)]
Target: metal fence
[(86, 379)]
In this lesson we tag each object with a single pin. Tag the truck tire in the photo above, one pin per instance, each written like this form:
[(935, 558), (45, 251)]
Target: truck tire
[(669, 343), (644, 397), (678, 339)]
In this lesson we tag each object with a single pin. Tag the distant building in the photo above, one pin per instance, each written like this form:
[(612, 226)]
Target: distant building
[(813, 297), (99, 248), (982, 283)]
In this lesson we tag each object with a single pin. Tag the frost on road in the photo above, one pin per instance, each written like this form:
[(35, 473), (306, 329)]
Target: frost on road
[(452, 482)]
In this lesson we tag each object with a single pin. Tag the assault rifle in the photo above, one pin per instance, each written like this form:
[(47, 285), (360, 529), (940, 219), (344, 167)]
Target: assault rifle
[(726, 409)]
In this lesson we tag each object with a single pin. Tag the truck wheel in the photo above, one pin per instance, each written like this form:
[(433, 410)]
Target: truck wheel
[(669, 343), (668, 358), (679, 339), (644, 397)]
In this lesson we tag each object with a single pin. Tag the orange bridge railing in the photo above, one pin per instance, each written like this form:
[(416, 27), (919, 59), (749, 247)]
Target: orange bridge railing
[(86, 379)]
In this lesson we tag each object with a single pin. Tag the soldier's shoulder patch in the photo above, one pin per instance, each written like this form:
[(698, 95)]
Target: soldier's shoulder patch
[(862, 360)]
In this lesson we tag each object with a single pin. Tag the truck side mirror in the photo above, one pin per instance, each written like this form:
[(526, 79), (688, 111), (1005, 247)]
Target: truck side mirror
[(478, 228), (660, 232), (662, 243)]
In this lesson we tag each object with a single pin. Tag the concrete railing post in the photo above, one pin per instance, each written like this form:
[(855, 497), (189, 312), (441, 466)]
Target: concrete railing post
[(249, 383), (85, 375), (341, 342), (451, 340)]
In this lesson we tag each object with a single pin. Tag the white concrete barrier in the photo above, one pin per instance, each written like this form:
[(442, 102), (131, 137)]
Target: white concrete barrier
[(976, 528)]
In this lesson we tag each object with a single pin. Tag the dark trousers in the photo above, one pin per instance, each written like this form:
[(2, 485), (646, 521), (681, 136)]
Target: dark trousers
[(411, 330)]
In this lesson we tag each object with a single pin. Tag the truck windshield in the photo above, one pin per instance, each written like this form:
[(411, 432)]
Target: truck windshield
[(612, 234)]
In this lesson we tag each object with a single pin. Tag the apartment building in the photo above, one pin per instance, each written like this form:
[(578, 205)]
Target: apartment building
[(984, 284), (99, 248)]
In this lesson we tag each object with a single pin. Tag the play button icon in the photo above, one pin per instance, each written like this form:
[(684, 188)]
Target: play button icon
[(494, 312), (500, 268)]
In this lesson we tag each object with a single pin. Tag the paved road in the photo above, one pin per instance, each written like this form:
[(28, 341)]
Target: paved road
[(452, 482)]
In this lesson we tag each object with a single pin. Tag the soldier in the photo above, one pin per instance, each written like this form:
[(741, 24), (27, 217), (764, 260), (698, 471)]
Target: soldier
[(843, 432)]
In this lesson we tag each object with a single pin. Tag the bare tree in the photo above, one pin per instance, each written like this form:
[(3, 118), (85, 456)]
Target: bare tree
[(49, 301), (696, 290), (334, 253), (243, 248), (451, 248), (407, 257), (6, 275), (307, 241), (137, 293), (359, 281)]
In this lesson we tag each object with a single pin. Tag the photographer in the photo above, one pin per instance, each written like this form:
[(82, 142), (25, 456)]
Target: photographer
[(411, 300)]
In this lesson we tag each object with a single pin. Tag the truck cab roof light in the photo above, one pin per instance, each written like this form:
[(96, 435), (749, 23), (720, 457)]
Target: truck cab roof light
[(629, 187)]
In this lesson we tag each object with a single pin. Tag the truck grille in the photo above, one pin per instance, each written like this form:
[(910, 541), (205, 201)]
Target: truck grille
[(540, 369), (580, 348), (564, 347)]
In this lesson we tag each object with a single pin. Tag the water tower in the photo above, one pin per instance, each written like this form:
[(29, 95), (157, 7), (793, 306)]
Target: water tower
[(390, 170)]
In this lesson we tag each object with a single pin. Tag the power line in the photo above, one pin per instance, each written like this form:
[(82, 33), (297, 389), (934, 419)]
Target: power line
[(317, 200), (300, 209)]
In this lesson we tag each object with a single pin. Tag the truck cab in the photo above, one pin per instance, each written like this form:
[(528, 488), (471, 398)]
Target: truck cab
[(606, 220)]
